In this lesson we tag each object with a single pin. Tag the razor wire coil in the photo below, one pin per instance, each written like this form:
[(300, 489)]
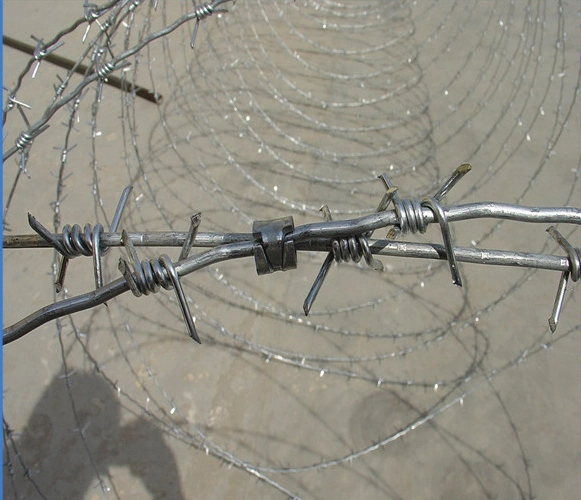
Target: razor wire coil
[(238, 114)]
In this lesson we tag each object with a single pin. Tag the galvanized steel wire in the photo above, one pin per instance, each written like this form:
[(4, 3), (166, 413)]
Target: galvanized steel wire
[(279, 108)]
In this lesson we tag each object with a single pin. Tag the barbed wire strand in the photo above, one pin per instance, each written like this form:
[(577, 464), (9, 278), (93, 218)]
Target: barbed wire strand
[(279, 109)]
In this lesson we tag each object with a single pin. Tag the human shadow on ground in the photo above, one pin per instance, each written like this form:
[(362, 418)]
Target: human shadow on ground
[(75, 437)]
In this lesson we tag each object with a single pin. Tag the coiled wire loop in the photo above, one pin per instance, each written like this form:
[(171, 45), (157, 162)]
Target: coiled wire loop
[(75, 242), (24, 140), (410, 214), (203, 11), (433, 204), (149, 276), (353, 249), (350, 248), (78, 242)]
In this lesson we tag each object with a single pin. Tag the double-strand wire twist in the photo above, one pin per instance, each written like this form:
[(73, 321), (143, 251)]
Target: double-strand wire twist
[(410, 214), (343, 249)]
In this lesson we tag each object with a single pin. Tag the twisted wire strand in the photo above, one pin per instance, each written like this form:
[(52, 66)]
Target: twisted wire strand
[(352, 248), (206, 9), (148, 276), (203, 11), (410, 215)]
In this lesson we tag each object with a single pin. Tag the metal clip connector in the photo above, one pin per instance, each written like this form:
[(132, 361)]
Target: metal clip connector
[(273, 251)]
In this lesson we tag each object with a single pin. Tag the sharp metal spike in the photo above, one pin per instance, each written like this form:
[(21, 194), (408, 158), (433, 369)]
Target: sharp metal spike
[(190, 238), (314, 291), (168, 264), (574, 272), (559, 299), (460, 172)]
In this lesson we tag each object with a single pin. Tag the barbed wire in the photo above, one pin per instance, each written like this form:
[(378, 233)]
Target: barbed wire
[(280, 108), (98, 70), (274, 245)]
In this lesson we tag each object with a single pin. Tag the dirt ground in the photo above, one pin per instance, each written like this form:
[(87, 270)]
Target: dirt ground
[(398, 384)]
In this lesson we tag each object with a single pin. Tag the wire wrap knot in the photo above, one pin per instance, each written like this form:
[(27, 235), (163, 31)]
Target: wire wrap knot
[(149, 276)]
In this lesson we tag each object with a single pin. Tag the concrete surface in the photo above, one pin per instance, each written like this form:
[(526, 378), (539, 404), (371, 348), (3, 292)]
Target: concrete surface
[(398, 385)]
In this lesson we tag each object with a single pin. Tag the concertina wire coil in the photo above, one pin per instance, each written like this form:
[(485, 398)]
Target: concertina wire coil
[(345, 235), (274, 245)]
